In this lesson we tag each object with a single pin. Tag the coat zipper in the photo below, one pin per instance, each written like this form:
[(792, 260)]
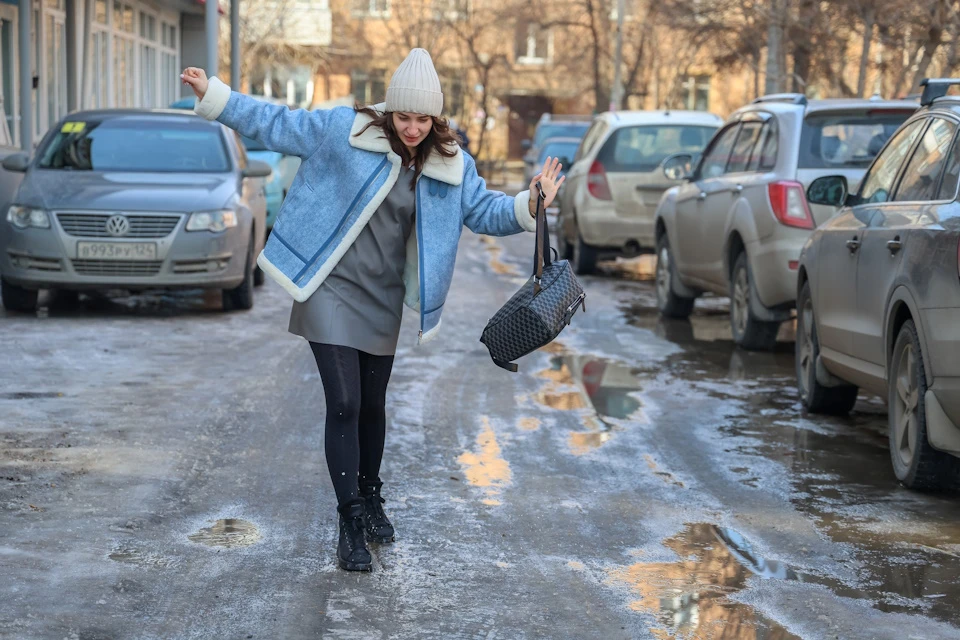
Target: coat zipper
[(419, 215)]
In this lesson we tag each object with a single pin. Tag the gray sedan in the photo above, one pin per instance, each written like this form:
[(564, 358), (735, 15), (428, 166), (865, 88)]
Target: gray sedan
[(134, 199), (879, 296)]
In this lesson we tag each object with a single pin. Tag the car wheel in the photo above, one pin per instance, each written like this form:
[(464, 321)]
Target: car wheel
[(259, 277), (814, 396), (241, 296), (668, 302), (915, 463), (749, 331), (584, 257), (17, 298)]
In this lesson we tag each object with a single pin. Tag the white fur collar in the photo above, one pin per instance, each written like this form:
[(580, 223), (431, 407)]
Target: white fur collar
[(449, 170)]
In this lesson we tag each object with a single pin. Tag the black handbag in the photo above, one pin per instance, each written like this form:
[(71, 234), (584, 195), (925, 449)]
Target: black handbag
[(538, 312)]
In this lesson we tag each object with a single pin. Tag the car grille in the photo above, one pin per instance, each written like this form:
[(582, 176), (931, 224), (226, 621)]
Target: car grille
[(117, 267), (94, 225)]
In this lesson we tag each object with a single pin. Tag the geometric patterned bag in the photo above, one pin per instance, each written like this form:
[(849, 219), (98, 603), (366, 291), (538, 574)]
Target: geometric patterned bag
[(538, 312)]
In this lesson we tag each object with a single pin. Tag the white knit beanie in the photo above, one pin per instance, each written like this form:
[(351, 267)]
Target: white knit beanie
[(415, 86)]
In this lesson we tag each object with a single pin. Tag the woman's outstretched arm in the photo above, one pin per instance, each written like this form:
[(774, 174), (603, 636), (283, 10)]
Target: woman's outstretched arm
[(496, 214), (295, 132)]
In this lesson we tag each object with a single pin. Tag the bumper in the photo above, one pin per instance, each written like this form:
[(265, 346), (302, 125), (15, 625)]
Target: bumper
[(770, 261), (942, 410), (47, 258), (601, 226)]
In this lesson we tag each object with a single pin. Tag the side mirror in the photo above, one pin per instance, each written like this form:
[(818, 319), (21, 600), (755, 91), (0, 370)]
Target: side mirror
[(565, 163), (526, 144), (17, 162), (828, 190), (678, 166), (257, 169)]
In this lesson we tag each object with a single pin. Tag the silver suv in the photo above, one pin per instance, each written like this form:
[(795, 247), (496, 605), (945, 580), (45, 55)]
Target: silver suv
[(736, 227)]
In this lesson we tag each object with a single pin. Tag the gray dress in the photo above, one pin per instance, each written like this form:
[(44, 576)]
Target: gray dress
[(360, 304)]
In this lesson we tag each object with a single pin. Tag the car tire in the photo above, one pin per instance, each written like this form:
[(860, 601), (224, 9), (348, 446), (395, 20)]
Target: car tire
[(17, 298), (584, 257), (259, 277), (241, 296), (668, 302), (814, 396), (749, 332), (915, 463)]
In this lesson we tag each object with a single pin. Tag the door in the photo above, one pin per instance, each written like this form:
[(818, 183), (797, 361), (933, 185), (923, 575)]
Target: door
[(576, 179), (691, 206), (923, 184), (839, 251)]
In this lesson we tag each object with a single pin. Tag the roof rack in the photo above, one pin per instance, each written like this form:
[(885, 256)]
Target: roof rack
[(793, 98), (934, 88)]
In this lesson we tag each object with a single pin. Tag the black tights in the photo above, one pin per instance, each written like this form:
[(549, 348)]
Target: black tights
[(355, 386)]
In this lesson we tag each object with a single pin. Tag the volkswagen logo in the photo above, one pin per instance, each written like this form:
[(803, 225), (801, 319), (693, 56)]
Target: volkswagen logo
[(118, 225)]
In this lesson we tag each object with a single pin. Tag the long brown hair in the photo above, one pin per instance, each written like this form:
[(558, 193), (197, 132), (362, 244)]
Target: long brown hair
[(441, 139)]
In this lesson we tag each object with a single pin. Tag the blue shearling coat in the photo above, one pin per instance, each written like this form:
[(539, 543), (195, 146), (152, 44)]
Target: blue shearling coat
[(342, 181)]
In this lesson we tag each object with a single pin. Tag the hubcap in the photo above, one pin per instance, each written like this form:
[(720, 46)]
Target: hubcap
[(663, 275), (805, 357), (905, 405), (740, 302)]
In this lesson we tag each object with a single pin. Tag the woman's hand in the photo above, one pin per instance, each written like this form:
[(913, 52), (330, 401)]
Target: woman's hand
[(549, 183), (197, 79)]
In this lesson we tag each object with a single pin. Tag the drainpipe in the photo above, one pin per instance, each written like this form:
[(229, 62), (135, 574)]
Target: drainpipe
[(235, 45), (26, 78), (70, 23), (86, 77), (211, 15)]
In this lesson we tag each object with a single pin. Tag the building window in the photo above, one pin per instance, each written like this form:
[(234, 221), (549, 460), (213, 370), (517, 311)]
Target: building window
[(100, 14), (695, 92), (450, 9), (368, 88), (534, 45), (371, 8), (453, 100)]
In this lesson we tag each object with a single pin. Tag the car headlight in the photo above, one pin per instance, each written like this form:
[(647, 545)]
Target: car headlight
[(212, 220), (23, 217)]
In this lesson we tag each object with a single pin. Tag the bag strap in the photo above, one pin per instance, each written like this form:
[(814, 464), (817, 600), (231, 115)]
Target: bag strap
[(541, 256)]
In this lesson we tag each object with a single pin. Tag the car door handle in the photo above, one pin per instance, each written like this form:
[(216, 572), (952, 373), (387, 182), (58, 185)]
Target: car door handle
[(702, 196), (737, 189), (894, 246), (853, 245)]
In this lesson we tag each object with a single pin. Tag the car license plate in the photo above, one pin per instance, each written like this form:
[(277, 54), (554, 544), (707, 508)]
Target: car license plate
[(117, 250)]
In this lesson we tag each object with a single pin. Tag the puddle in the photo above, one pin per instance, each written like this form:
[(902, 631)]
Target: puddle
[(688, 597), (485, 468), (141, 558), (229, 532), (529, 424), (495, 250), (605, 385)]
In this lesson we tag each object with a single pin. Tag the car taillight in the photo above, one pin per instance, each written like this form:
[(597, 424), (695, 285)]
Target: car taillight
[(597, 183), (789, 204)]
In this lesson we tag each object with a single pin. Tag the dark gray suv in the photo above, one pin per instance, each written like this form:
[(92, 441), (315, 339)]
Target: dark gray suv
[(879, 293)]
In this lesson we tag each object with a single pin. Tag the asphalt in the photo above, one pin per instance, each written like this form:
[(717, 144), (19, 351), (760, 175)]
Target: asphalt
[(162, 476)]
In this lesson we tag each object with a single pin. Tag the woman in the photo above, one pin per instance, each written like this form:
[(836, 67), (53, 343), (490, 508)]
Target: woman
[(372, 221)]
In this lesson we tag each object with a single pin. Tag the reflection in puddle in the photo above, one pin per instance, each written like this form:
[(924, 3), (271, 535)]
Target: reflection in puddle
[(486, 468), (689, 597), (118, 303), (495, 250), (229, 532), (529, 424)]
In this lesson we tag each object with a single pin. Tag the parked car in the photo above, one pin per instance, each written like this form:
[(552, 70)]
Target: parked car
[(563, 149), (9, 180), (622, 167), (737, 225), (879, 294), (284, 167), (551, 126), (134, 199)]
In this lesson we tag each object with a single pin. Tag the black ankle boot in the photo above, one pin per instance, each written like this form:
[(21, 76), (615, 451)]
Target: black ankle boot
[(352, 552), (375, 521)]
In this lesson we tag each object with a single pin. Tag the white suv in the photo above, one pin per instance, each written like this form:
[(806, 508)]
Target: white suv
[(621, 169)]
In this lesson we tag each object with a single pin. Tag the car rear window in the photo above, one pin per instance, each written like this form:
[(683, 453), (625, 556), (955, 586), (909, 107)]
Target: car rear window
[(560, 130), (136, 145), (846, 140), (558, 150), (643, 148)]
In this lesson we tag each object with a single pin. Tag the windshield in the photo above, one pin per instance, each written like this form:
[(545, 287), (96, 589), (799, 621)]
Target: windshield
[(644, 148), (558, 150), (833, 141), (560, 130), (136, 144), (252, 145)]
